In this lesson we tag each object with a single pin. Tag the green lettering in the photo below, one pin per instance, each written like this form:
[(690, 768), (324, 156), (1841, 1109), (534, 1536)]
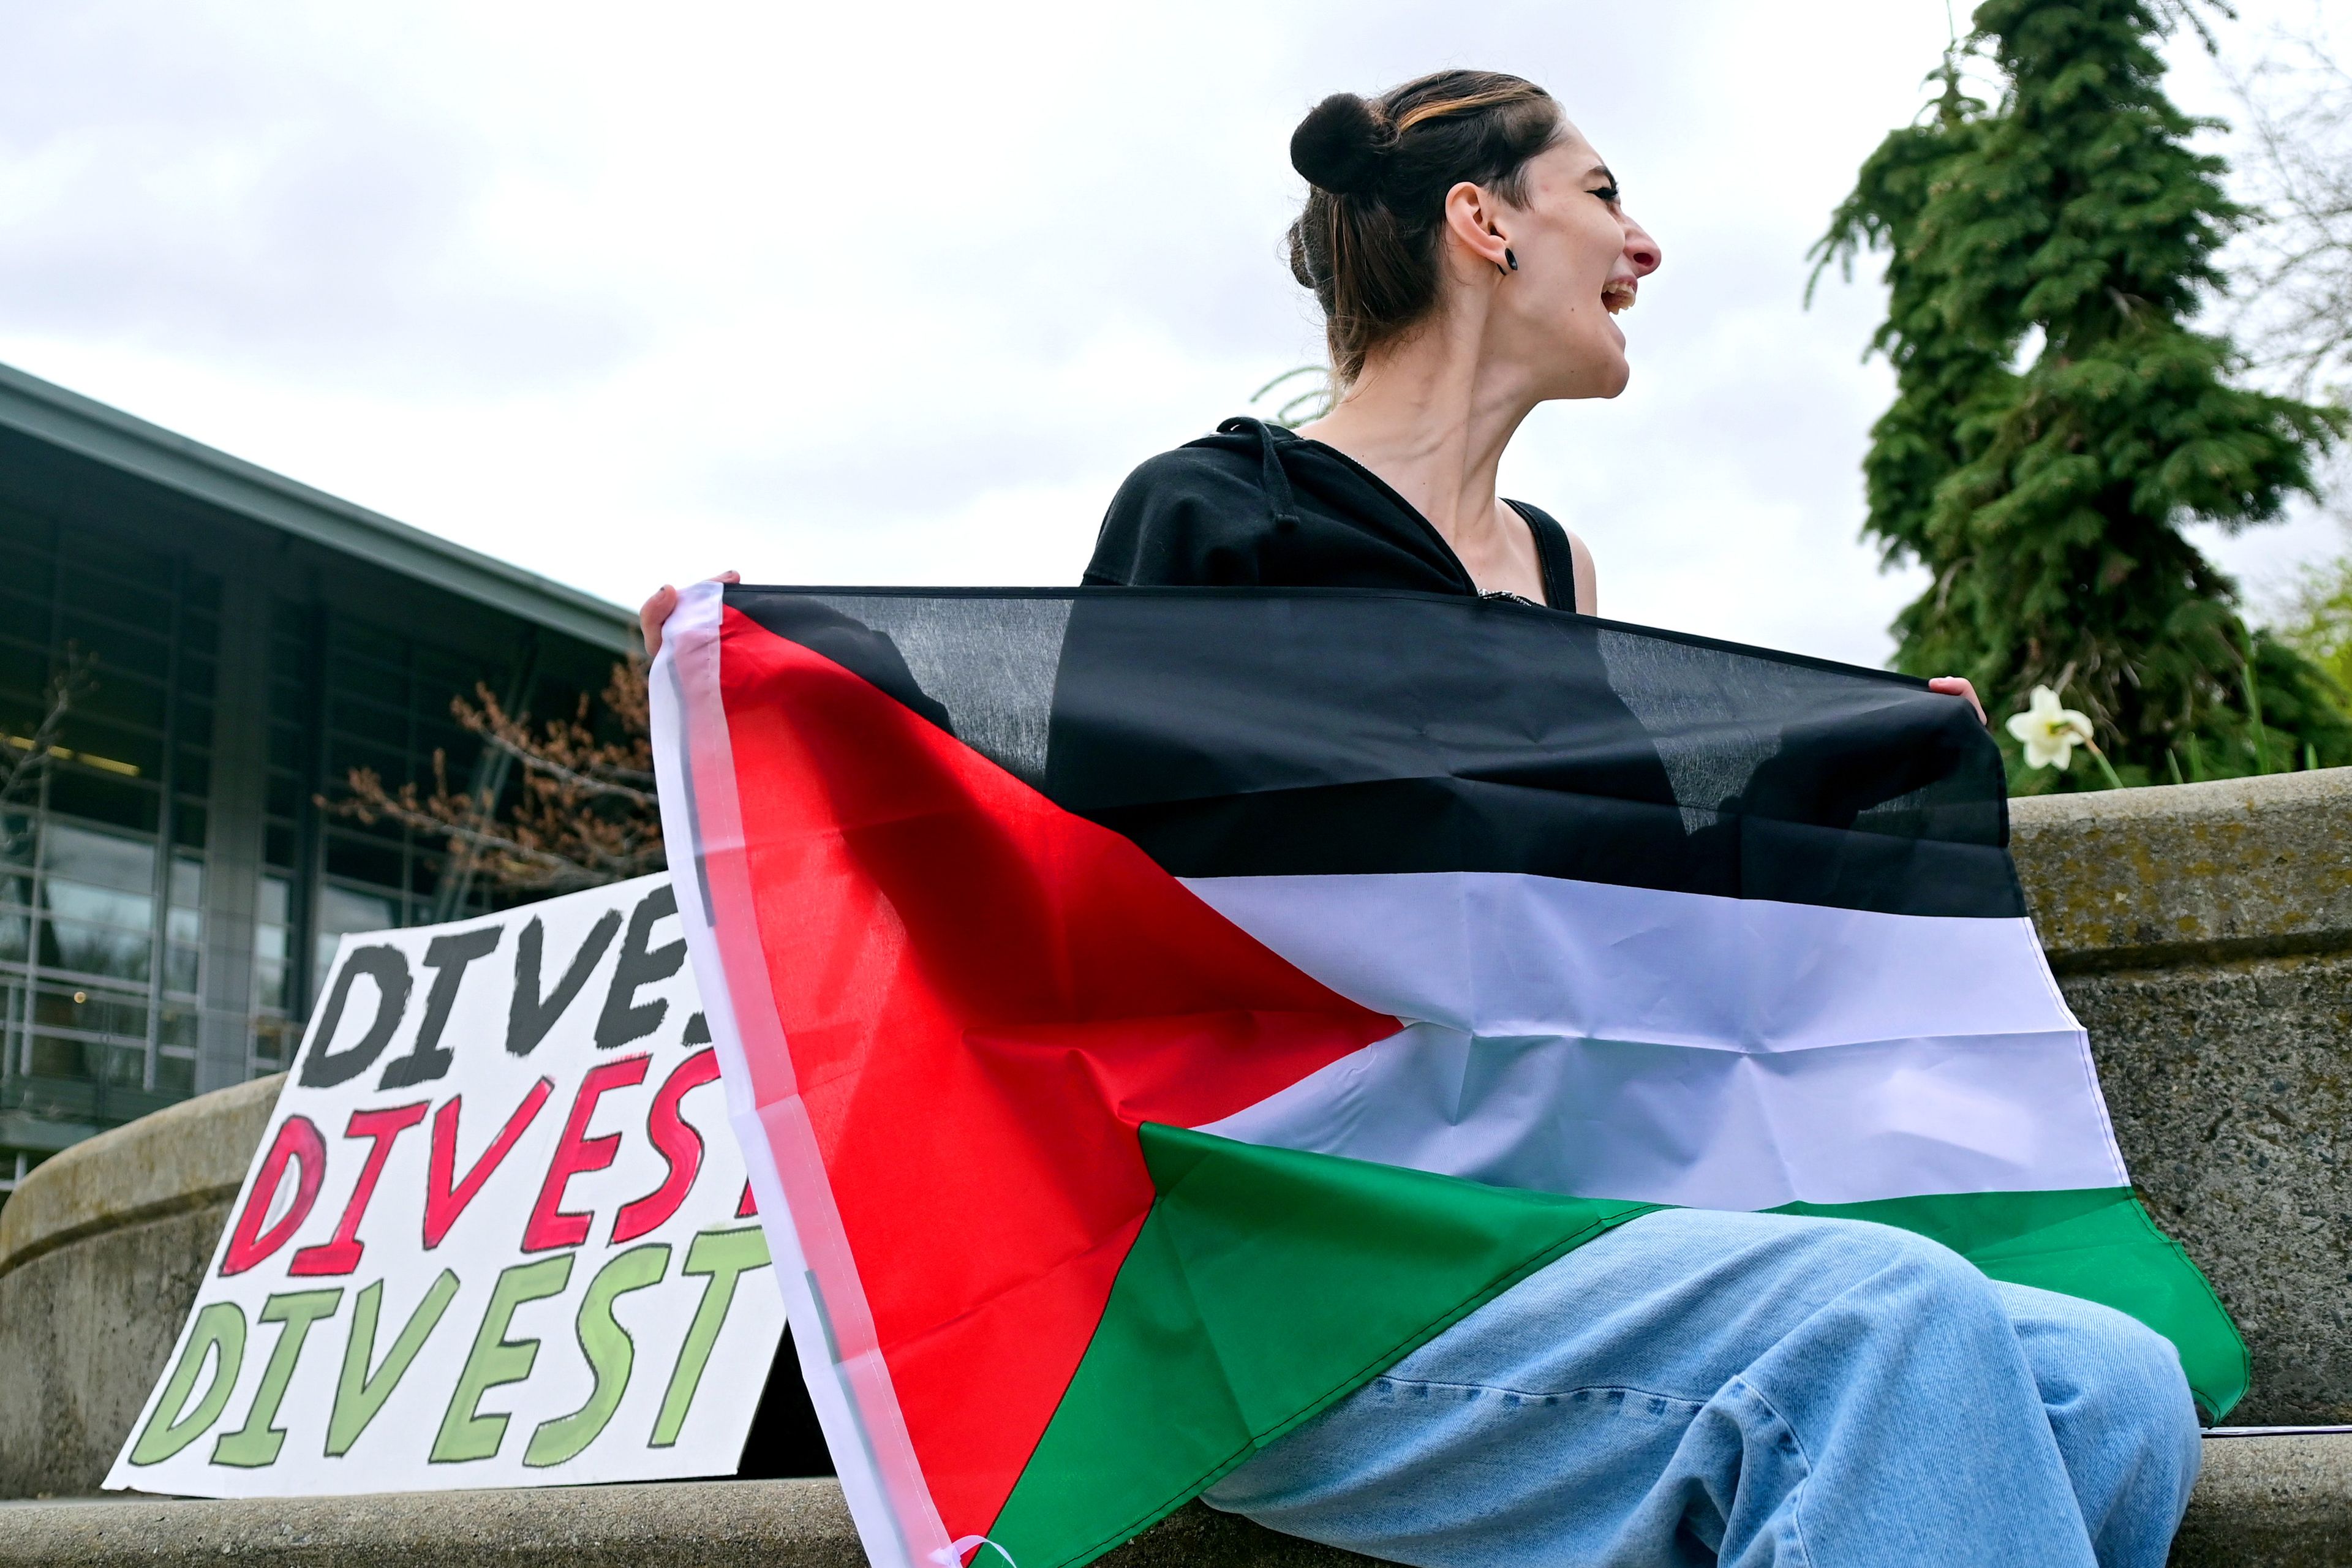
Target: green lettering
[(256, 1442), (610, 1352), (220, 1327), (358, 1395), (496, 1360), (724, 1256)]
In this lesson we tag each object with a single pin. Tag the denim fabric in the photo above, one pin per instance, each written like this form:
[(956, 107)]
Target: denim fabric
[(1754, 1389)]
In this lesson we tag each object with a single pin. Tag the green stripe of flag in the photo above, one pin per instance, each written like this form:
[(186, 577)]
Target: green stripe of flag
[(1268, 1283), (1264, 1285), (2098, 1243)]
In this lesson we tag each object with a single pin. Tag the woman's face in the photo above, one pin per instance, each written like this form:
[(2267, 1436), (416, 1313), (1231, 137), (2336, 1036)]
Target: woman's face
[(1581, 260)]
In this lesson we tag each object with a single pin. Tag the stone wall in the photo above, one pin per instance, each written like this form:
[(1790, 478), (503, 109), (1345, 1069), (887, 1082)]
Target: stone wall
[(101, 1253), (2203, 935)]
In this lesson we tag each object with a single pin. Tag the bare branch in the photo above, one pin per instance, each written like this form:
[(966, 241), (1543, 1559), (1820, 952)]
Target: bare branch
[(31, 756), (2295, 314), (583, 813)]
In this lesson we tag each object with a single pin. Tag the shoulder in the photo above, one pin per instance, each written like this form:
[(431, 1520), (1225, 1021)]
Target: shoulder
[(1215, 465), (1566, 563), (1181, 516)]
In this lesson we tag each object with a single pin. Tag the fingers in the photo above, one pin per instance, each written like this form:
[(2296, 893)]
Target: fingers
[(656, 610), (1958, 686), (652, 614)]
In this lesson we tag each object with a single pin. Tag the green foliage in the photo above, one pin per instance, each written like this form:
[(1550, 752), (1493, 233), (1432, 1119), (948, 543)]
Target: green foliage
[(2318, 623), (2058, 418)]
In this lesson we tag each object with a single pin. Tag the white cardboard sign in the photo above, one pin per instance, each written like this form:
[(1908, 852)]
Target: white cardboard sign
[(497, 1232)]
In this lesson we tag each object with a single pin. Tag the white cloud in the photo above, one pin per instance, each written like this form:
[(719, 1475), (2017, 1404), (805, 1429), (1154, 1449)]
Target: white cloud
[(899, 294)]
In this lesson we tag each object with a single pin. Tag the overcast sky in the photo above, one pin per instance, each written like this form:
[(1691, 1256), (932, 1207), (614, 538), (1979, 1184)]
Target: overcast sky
[(898, 294)]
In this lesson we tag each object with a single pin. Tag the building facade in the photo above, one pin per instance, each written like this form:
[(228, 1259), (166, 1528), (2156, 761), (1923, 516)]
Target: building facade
[(171, 886)]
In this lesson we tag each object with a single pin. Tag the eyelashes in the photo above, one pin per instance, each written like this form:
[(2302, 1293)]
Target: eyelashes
[(1608, 193)]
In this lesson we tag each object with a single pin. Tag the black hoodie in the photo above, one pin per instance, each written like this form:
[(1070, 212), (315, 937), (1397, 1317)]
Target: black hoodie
[(1255, 506)]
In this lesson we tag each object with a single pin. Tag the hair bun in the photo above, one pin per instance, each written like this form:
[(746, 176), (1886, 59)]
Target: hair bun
[(1341, 145)]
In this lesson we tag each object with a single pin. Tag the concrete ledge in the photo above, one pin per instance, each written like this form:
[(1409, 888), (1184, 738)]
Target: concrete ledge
[(101, 1251), (2263, 1502), (191, 1155), (2203, 935), (692, 1524), (2240, 869), (2270, 1503)]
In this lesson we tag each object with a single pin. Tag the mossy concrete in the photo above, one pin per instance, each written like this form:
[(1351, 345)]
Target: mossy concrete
[(101, 1250), (2203, 935)]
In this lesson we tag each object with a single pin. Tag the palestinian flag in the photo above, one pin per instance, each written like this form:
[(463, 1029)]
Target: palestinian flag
[(1150, 1014)]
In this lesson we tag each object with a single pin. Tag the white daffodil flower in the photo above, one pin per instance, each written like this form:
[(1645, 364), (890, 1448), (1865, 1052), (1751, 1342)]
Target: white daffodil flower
[(2049, 733)]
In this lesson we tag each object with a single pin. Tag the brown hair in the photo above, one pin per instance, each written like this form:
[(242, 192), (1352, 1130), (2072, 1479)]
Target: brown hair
[(1370, 241)]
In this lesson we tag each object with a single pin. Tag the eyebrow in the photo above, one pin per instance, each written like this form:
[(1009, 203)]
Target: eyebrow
[(1602, 171)]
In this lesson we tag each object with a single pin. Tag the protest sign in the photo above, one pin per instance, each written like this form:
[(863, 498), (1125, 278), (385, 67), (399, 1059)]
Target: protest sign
[(497, 1232)]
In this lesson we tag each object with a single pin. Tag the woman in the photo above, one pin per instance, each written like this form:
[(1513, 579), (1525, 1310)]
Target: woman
[(1692, 1386)]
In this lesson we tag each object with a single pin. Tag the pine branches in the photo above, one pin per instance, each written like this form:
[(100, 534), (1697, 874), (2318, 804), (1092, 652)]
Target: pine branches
[(2059, 416)]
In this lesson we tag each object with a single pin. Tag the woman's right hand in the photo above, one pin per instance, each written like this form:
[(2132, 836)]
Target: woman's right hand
[(656, 610)]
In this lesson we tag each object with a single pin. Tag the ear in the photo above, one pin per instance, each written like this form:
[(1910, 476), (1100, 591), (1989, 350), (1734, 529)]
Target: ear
[(1474, 222)]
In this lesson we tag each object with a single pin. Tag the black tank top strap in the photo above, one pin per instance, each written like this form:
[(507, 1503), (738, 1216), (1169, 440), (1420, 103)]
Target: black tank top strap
[(1552, 548)]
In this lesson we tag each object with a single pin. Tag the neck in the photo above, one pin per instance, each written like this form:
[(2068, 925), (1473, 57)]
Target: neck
[(1431, 416)]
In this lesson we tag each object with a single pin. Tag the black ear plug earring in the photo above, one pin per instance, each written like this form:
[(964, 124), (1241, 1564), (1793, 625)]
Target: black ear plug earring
[(1509, 258)]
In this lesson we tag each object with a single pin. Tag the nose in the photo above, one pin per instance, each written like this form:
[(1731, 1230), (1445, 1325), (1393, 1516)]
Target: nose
[(1641, 250)]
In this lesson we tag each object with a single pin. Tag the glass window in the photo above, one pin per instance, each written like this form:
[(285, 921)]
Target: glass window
[(271, 947), (175, 1075), (343, 910), (99, 890), (275, 1034), (99, 861), (88, 1010), (183, 926), (104, 797)]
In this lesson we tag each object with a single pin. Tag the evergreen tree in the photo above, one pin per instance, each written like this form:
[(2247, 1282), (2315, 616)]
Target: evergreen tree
[(2058, 418)]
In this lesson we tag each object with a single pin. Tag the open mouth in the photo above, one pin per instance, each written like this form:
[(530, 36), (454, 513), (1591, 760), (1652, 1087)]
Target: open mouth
[(1617, 295)]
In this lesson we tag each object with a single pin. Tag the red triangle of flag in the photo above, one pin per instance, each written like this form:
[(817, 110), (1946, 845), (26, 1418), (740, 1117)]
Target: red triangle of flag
[(983, 996)]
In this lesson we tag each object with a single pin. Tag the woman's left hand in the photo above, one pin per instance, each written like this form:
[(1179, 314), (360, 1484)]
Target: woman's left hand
[(1958, 686)]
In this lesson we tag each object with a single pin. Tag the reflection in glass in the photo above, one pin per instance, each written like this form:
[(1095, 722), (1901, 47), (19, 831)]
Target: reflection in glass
[(126, 1066), (51, 1057), (94, 1012), (175, 1076), (85, 947), (342, 909), (96, 860), (100, 889), (274, 1040)]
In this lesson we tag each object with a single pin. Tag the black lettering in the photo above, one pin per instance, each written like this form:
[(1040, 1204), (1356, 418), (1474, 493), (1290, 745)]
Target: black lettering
[(446, 956), (530, 1017), (625, 1018), (389, 969)]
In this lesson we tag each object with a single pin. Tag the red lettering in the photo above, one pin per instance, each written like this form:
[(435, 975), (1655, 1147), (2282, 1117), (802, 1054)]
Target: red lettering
[(446, 1197), (679, 1144), (551, 1224), (341, 1254), (298, 1140), (747, 1206)]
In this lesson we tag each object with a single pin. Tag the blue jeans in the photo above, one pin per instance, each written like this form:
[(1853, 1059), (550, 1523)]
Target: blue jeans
[(1697, 1387)]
